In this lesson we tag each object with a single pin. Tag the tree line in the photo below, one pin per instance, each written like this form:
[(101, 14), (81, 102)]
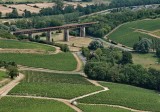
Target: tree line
[(109, 64)]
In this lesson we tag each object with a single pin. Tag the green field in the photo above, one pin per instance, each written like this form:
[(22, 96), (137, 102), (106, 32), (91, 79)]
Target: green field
[(126, 34), (128, 96), (24, 45), (10, 104), (2, 75), (146, 60), (61, 61), (54, 85), (100, 108)]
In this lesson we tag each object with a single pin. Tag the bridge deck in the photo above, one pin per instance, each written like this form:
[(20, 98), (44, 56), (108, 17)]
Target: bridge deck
[(68, 26)]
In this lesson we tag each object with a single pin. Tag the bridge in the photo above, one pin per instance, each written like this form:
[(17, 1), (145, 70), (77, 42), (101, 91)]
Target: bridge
[(66, 28)]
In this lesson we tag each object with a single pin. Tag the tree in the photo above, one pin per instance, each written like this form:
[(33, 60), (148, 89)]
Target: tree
[(13, 14), (0, 14), (126, 58), (12, 71), (95, 45), (27, 13), (85, 52), (158, 52), (143, 46), (98, 52)]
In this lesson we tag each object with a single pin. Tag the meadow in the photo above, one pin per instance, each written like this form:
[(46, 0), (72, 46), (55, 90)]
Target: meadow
[(146, 60), (127, 34), (53, 85), (11, 104), (24, 45), (61, 61), (2, 75), (126, 95)]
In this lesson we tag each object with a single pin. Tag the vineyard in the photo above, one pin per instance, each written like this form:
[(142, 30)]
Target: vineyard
[(129, 33), (53, 85), (24, 45), (128, 96), (9, 104), (53, 62)]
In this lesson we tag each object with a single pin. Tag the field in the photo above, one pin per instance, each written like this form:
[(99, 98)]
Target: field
[(12, 44), (54, 85), (9, 104), (146, 60), (129, 33), (2, 75), (128, 96), (157, 33), (53, 62), (100, 108)]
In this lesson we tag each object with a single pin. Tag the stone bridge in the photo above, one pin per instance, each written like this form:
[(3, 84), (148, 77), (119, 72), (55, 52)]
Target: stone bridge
[(66, 28)]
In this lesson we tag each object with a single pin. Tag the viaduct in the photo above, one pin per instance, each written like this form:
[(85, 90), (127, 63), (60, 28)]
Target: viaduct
[(50, 29)]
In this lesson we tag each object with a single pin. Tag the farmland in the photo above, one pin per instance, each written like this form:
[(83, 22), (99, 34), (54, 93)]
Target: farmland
[(24, 45), (9, 104), (128, 96), (53, 62), (146, 60), (128, 33), (100, 108), (53, 85)]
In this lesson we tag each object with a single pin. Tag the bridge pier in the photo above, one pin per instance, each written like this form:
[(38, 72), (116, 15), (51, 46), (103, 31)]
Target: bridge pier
[(82, 32), (66, 35), (30, 35), (48, 38)]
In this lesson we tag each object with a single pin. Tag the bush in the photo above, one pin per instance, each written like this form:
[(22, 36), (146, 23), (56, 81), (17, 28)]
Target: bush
[(95, 45)]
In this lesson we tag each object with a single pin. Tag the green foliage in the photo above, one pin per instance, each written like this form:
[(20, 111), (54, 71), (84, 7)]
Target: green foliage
[(128, 96), (54, 85), (109, 67), (13, 14), (12, 71), (6, 34), (95, 45), (98, 52), (2, 75), (12, 104), (126, 58), (53, 62), (143, 46), (158, 52), (85, 52)]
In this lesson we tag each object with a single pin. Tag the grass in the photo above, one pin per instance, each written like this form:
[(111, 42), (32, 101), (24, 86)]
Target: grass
[(53, 85), (128, 96), (126, 34), (100, 108), (61, 61), (2, 75), (156, 33), (146, 60), (24, 45), (11, 104)]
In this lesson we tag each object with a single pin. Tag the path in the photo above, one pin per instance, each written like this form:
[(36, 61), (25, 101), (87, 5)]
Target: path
[(5, 89), (46, 98), (115, 106), (79, 63), (21, 68)]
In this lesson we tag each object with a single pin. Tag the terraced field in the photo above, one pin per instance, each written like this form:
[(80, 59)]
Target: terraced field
[(12, 44), (128, 96), (129, 33), (10, 104), (61, 61), (53, 85), (100, 108)]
